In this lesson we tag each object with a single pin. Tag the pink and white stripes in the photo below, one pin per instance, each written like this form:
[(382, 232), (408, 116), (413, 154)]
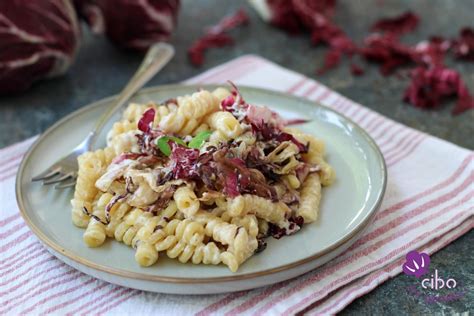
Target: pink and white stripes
[(429, 203)]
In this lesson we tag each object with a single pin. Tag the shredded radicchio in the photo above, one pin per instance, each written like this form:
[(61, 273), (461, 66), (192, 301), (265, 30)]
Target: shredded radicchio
[(262, 245), (183, 161), (464, 45), (399, 25), (146, 121), (317, 18), (430, 85), (163, 200), (296, 223), (383, 46), (216, 36), (386, 50), (95, 217), (116, 199), (266, 124), (237, 178)]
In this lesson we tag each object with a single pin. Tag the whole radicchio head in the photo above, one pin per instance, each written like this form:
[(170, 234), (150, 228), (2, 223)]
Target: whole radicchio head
[(416, 263)]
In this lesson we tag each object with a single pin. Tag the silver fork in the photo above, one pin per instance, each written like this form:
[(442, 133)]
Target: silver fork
[(64, 171)]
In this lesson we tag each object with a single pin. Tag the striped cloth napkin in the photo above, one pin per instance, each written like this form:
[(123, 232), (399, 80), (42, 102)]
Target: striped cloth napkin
[(428, 204)]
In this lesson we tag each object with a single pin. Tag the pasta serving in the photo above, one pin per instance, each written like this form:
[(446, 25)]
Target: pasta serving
[(203, 178)]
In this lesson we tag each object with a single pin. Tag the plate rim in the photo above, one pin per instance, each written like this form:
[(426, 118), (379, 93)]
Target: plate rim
[(136, 275)]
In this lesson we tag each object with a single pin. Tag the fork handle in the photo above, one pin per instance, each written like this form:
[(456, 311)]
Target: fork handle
[(155, 59)]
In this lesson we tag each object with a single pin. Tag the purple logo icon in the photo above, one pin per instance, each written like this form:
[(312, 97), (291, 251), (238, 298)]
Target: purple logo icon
[(417, 264)]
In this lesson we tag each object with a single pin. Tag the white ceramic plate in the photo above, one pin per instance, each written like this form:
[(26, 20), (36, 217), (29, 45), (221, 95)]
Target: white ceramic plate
[(346, 209)]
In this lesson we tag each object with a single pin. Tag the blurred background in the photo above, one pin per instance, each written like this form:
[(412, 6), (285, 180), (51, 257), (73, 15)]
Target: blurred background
[(101, 69)]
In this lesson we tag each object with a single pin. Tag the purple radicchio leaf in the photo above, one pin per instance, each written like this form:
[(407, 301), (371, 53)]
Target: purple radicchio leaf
[(416, 263)]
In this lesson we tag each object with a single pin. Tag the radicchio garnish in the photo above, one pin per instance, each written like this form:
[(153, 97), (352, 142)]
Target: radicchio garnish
[(95, 217), (163, 200), (312, 16), (400, 24), (216, 36), (146, 121), (357, 70), (262, 245), (237, 178), (283, 137), (116, 199), (464, 45), (432, 52), (388, 51), (429, 86), (183, 161), (295, 225), (382, 46)]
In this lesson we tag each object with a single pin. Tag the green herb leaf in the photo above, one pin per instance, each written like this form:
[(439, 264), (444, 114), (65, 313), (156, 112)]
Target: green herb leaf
[(199, 139), (164, 147)]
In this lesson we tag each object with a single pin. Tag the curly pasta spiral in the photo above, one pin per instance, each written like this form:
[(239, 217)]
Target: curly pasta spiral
[(134, 111), (190, 113), (203, 253), (198, 105), (186, 201), (133, 221), (315, 155), (250, 223), (225, 123), (95, 233), (284, 153), (91, 166), (184, 241), (273, 212), (122, 137), (310, 198), (116, 213), (236, 237), (149, 234), (221, 93)]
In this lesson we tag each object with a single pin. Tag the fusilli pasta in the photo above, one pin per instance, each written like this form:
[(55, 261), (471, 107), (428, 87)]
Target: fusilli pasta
[(204, 180)]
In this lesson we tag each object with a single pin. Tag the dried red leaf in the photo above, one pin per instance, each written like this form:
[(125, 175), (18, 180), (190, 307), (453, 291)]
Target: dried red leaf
[(398, 25), (430, 85), (215, 36), (357, 70), (146, 121), (388, 51), (385, 48), (316, 17), (431, 52), (314, 14), (332, 59), (284, 16), (464, 45)]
